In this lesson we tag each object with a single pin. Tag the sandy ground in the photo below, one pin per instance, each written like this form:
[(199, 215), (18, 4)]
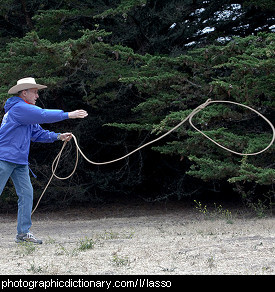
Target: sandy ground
[(140, 239)]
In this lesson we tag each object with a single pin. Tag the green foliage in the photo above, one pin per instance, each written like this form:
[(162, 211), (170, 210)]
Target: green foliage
[(263, 4), (251, 173), (241, 71), (140, 67), (206, 168), (252, 67), (60, 23), (122, 8), (86, 243)]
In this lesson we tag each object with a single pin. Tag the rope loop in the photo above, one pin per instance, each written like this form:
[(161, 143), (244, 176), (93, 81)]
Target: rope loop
[(223, 147)]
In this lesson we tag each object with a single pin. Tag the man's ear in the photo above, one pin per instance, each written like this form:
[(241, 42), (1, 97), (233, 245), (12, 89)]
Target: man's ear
[(24, 93)]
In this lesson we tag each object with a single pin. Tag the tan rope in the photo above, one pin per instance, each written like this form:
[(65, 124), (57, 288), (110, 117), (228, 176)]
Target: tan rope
[(227, 149), (189, 118)]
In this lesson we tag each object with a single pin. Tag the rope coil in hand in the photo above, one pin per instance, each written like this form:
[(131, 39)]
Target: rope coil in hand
[(189, 118)]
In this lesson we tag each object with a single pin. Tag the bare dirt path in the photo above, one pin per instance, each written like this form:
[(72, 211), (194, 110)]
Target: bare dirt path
[(140, 239)]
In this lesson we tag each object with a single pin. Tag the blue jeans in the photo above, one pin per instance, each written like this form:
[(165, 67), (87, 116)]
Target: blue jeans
[(21, 179)]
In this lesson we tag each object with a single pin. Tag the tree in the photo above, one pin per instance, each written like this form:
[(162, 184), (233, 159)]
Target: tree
[(241, 71), (80, 73), (139, 67)]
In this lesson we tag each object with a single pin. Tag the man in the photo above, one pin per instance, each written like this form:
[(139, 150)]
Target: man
[(20, 126)]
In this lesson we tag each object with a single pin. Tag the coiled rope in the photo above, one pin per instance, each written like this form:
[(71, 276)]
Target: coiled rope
[(189, 118)]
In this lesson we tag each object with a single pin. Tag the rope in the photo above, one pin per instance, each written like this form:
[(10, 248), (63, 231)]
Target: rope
[(227, 149), (189, 118)]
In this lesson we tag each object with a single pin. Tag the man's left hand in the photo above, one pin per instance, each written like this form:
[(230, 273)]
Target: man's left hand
[(66, 137)]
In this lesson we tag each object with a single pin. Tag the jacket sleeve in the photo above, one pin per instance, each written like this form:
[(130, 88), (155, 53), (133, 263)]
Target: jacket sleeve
[(30, 114), (40, 135)]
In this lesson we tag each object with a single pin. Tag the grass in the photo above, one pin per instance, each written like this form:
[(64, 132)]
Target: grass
[(25, 248), (119, 261), (34, 269), (215, 213), (86, 243)]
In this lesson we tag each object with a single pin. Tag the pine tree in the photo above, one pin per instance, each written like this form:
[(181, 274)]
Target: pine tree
[(140, 67), (240, 71)]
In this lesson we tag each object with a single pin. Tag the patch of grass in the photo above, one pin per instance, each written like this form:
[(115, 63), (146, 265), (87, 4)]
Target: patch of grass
[(120, 260), (217, 212), (35, 269), (86, 243), (50, 240), (259, 208), (26, 248), (108, 235), (210, 262), (224, 213), (63, 250)]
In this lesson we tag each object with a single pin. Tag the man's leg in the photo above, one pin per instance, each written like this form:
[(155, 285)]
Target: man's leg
[(24, 190), (6, 169)]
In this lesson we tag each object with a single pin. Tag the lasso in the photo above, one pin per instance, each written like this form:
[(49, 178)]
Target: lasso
[(189, 118)]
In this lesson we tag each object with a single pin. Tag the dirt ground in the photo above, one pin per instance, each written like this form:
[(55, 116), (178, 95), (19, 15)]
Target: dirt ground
[(160, 239)]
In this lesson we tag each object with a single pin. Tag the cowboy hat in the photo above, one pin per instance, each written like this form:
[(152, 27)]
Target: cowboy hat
[(25, 83)]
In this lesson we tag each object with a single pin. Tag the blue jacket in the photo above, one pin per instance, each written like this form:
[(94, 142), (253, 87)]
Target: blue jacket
[(20, 126)]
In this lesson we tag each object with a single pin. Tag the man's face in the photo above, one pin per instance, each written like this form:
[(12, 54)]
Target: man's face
[(31, 95)]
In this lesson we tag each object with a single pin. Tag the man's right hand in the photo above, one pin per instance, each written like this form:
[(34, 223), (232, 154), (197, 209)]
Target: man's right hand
[(78, 114)]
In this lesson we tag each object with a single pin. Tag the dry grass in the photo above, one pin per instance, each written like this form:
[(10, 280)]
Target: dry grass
[(140, 239)]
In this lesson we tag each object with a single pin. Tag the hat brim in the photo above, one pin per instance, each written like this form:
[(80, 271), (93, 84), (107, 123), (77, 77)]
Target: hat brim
[(19, 87)]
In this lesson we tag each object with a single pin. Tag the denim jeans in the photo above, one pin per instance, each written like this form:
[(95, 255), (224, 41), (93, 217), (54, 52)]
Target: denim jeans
[(21, 179)]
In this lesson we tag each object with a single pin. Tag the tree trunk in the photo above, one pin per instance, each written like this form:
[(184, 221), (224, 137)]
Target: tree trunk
[(26, 14)]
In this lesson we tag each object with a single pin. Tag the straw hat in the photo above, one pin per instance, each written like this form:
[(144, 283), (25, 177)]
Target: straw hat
[(25, 83)]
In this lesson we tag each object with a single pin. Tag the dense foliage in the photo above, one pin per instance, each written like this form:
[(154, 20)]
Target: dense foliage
[(139, 67)]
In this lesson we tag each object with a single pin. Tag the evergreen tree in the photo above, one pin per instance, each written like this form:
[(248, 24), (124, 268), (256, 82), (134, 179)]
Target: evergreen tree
[(229, 72), (140, 67)]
